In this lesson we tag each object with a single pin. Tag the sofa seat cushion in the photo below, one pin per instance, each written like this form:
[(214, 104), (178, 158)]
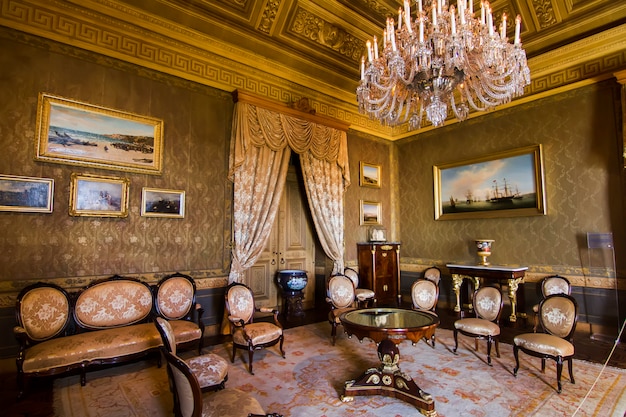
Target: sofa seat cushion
[(185, 331), (89, 346), (209, 369), (230, 402)]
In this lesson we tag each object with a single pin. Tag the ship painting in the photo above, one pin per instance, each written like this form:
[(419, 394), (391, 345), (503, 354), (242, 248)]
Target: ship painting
[(502, 193)]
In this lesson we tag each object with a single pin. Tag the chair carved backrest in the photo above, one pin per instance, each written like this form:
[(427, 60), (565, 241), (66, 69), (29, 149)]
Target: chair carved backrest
[(555, 284), (341, 292), (188, 392), (175, 296), (433, 274), (43, 311), (558, 315), (240, 302), (424, 294), (167, 334), (488, 303)]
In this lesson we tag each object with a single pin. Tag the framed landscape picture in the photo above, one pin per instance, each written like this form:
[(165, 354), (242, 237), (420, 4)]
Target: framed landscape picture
[(26, 194), (75, 133), (369, 175), (98, 196), (370, 212), (507, 184), (162, 203)]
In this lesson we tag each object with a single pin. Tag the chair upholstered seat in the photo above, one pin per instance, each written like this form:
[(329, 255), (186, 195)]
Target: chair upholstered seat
[(230, 402), (477, 326), (363, 294), (545, 344), (210, 369), (258, 332)]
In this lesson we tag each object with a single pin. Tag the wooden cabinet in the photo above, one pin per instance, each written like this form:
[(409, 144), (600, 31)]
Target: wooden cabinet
[(379, 270)]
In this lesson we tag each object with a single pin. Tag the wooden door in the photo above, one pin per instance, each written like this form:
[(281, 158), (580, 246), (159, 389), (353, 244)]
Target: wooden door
[(290, 246)]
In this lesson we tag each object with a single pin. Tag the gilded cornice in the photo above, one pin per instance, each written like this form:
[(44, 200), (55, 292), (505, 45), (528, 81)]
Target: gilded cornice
[(115, 30)]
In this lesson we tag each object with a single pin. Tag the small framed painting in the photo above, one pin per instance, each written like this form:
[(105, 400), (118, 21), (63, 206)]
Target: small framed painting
[(26, 194), (162, 203), (98, 196), (369, 175), (370, 213)]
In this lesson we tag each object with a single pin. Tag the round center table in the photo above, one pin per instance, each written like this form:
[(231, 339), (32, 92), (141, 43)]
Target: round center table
[(388, 327)]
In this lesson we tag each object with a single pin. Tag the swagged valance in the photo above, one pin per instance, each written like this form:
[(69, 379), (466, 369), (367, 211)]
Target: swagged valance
[(258, 122)]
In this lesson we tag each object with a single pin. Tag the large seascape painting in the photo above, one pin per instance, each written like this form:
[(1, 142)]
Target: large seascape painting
[(77, 133), (502, 185)]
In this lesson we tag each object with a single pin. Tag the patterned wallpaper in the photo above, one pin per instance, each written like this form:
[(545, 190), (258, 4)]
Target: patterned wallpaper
[(581, 150), (197, 123), (365, 148)]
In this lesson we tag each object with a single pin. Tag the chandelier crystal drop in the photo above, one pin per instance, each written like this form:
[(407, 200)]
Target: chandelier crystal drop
[(437, 58)]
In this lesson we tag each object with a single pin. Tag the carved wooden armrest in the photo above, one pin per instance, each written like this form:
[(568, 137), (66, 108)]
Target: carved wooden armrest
[(236, 321)]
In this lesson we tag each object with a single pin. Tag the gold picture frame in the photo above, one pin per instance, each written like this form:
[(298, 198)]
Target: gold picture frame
[(76, 133), (369, 175), (505, 184), (98, 196), (371, 212), (26, 194), (162, 203)]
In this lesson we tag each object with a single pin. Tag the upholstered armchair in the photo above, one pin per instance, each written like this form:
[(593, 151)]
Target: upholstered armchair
[(558, 315), (341, 296), (424, 297), (246, 333), (487, 304), (175, 300), (553, 284), (210, 370), (192, 402), (364, 296)]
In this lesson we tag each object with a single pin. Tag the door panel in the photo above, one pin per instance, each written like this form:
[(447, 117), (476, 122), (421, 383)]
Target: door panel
[(290, 246)]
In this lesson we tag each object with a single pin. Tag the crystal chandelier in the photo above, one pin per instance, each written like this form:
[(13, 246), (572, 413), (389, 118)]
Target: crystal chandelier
[(443, 56)]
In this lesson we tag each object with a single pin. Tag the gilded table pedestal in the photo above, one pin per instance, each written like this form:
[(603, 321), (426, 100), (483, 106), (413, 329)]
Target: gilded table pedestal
[(388, 327)]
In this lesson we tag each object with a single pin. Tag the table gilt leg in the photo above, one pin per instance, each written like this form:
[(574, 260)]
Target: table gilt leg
[(513, 285), (457, 281)]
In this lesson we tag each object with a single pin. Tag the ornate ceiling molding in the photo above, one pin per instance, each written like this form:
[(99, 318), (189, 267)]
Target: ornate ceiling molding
[(177, 50)]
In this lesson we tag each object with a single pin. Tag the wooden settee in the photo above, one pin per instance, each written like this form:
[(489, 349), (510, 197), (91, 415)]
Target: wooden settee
[(108, 322)]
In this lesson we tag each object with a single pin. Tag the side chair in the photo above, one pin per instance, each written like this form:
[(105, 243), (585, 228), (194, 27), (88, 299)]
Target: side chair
[(487, 304), (558, 315), (192, 402), (341, 296), (553, 284), (247, 333), (364, 296), (433, 274), (424, 297)]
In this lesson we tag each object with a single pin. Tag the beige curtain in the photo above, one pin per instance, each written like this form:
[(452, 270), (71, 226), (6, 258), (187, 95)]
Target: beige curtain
[(259, 158)]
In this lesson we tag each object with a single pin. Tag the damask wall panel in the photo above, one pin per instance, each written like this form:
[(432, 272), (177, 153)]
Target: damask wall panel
[(365, 148), (578, 132), (196, 132)]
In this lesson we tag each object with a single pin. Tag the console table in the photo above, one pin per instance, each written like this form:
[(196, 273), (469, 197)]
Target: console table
[(513, 275)]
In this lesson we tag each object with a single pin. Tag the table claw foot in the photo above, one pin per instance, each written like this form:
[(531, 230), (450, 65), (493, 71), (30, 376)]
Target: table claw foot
[(425, 396), (347, 398)]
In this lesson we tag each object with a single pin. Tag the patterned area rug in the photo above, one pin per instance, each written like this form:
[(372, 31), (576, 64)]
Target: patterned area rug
[(309, 382)]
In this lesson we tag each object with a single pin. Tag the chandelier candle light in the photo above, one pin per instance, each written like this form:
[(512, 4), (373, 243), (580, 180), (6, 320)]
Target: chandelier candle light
[(442, 57)]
